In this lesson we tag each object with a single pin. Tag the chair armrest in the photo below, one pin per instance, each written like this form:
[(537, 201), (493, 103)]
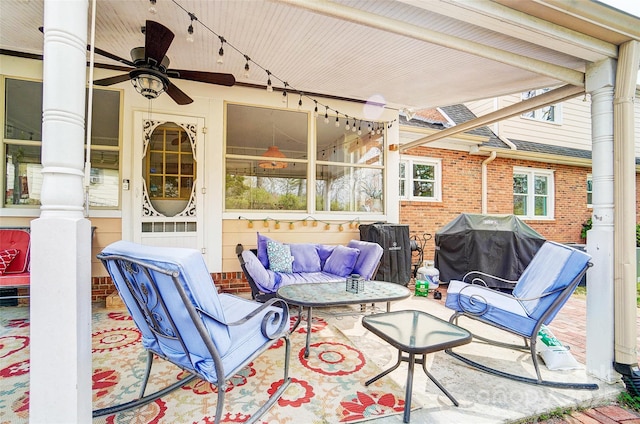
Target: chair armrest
[(277, 316), (481, 276)]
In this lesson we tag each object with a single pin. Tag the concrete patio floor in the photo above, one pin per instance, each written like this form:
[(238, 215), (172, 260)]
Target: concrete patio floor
[(484, 398)]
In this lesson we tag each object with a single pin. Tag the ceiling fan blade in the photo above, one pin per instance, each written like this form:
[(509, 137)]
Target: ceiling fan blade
[(208, 77), (157, 39), (112, 80), (103, 53), (178, 95), (111, 56)]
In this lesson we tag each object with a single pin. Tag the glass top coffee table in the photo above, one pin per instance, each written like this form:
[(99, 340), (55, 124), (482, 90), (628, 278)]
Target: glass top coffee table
[(313, 295), (416, 333)]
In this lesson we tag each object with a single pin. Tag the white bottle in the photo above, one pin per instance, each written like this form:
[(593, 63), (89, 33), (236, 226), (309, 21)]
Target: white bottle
[(432, 274)]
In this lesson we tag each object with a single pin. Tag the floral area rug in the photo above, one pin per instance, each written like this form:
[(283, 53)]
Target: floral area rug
[(327, 387)]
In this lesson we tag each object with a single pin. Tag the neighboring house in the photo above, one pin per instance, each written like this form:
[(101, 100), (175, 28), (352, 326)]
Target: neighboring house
[(541, 171)]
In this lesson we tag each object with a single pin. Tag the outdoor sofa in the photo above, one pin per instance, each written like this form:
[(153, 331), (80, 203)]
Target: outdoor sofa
[(274, 264)]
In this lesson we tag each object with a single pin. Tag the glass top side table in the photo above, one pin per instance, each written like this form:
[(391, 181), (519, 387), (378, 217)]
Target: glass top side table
[(415, 333)]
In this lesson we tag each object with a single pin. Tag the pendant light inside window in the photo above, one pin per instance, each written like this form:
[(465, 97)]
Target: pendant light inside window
[(272, 154)]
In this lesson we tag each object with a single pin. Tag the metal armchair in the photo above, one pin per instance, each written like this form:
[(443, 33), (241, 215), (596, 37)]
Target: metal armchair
[(173, 301), (543, 288)]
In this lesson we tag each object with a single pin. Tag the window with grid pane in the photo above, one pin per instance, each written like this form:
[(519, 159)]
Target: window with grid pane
[(533, 193)]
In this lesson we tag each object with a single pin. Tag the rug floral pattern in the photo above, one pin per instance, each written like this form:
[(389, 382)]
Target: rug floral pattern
[(327, 387)]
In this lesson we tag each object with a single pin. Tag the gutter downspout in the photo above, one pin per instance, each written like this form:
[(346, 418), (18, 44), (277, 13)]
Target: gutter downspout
[(624, 281), (486, 162)]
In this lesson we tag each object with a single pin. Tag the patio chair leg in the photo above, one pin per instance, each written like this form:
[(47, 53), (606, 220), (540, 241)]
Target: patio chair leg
[(285, 383), (522, 379), (146, 373), (143, 400)]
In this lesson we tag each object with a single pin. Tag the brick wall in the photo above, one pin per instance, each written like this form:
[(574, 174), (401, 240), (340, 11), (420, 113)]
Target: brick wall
[(226, 282), (462, 193)]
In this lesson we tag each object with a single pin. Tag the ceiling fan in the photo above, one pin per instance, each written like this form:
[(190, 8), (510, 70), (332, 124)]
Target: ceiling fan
[(150, 74)]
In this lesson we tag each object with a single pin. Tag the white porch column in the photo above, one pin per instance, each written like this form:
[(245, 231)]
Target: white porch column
[(600, 83), (60, 376)]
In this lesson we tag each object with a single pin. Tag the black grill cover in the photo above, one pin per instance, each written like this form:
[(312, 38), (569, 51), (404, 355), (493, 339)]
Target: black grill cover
[(500, 245), (395, 265)]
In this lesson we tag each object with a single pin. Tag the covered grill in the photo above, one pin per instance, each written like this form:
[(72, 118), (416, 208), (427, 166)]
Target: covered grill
[(500, 245)]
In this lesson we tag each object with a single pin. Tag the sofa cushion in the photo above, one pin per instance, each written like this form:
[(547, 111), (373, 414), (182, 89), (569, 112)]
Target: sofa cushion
[(6, 257), (305, 257), (19, 239), (324, 251), (262, 250), (266, 280), (280, 259), (341, 261)]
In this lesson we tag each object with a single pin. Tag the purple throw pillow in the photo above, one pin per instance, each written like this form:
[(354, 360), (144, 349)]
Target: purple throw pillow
[(262, 250), (305, 257), (341, 261)]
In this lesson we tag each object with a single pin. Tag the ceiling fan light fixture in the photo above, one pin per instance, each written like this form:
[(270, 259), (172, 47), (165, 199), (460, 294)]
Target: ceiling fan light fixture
[(147, 83)]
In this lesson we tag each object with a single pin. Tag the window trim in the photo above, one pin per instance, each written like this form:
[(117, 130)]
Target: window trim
[(409, 161), (532, 173)]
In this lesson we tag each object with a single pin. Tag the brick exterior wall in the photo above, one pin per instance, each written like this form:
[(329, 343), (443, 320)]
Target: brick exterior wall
[(462, 193), (226, 282)]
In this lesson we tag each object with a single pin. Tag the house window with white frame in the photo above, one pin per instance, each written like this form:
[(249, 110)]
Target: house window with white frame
[(549, 113), (21, 144), (533, 193), (269, 165), (420, 179)]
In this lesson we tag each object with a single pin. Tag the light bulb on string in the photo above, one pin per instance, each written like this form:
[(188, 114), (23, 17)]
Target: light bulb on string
[(346, 127), (246, 66), (359, 128), (315, 109), (220, 60), (284, 93), (300, 102), (326, 115), (190, 29), (190, 34), (269, 85), (353, 127), (337, 120), (152, 7)]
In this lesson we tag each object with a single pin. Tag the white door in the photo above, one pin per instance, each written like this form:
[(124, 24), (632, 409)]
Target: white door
[(167, 173)]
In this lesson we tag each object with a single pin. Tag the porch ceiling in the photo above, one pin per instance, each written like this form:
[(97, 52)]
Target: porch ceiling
[(399, 50)]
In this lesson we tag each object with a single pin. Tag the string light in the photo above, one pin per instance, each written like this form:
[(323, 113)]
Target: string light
[(326, 115), (353, 223), (246, 66), (315, 109), (220, 60), (190, 29), (152, 7), (269, 85), (346, 127), (286, 89)]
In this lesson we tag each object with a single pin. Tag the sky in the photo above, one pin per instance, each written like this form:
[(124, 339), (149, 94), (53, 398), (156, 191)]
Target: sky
[(629, 6)]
